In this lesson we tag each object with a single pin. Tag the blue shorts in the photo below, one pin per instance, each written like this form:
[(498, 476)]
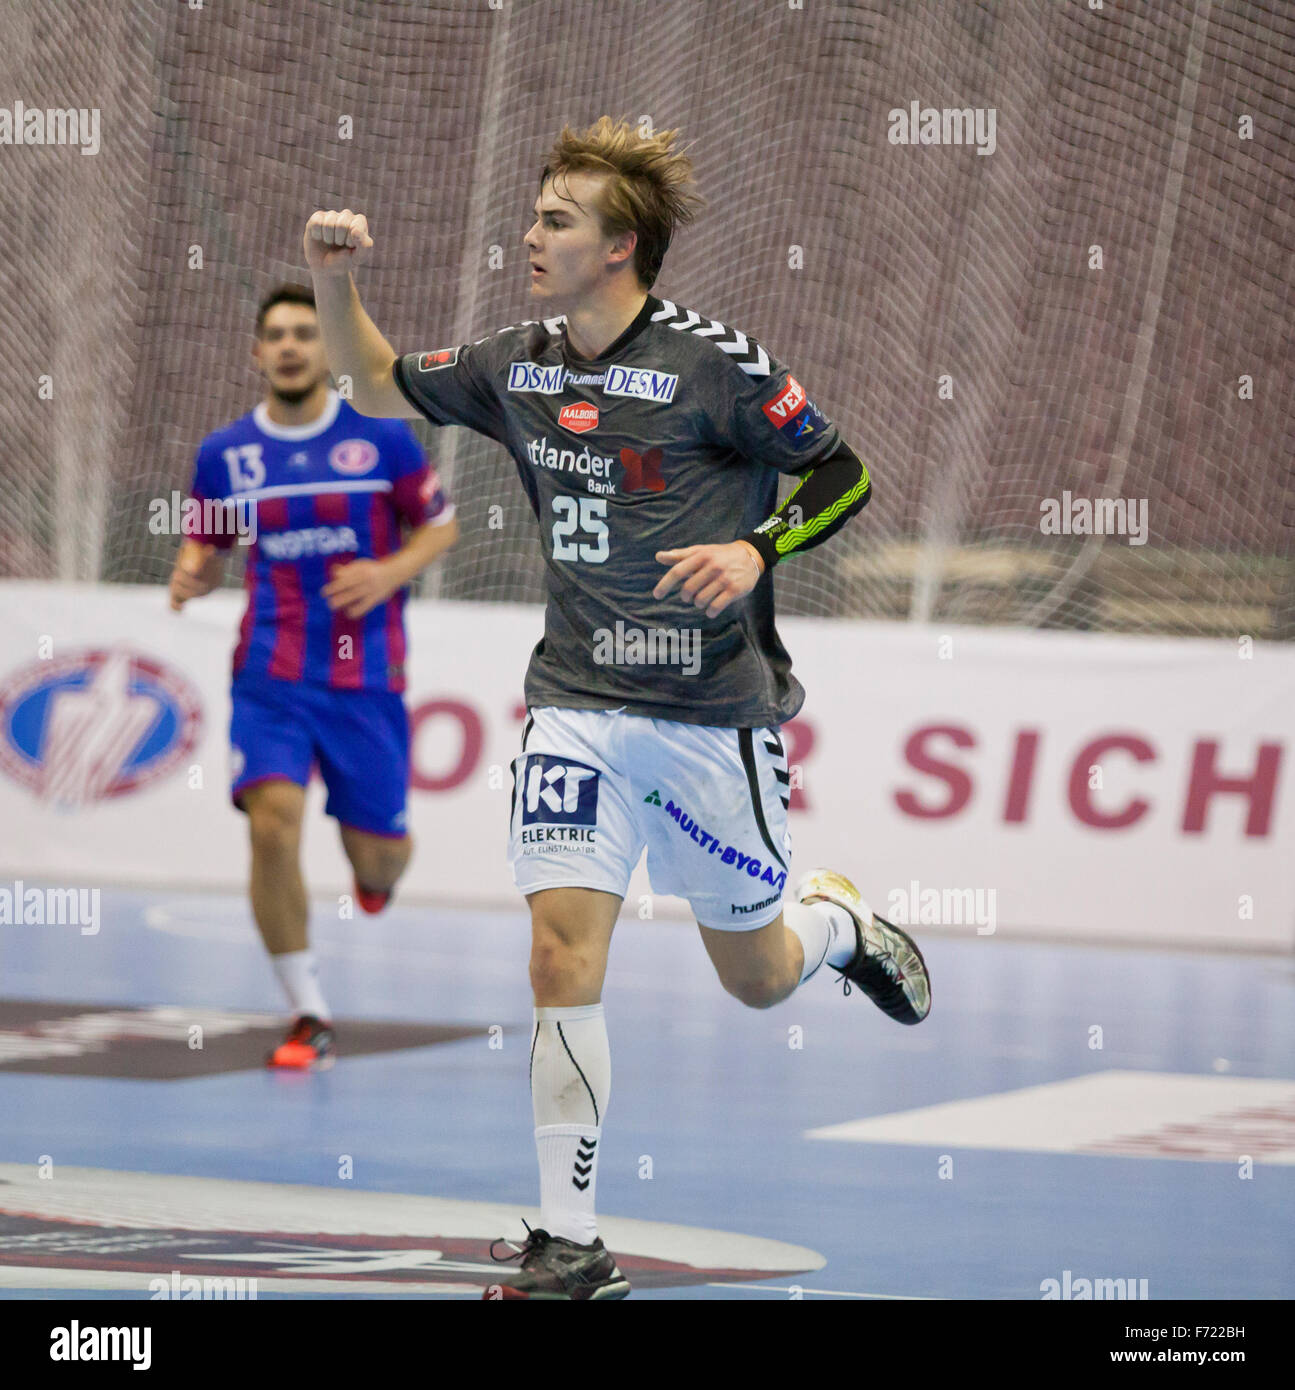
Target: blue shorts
[(359, 739)]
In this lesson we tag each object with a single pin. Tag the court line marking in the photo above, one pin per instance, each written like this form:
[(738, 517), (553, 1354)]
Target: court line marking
[(830, 1293)]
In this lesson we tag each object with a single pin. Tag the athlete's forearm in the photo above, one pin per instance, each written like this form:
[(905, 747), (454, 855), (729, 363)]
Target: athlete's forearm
[(352, 343), (198, 570), (824, 500), (423, 546)]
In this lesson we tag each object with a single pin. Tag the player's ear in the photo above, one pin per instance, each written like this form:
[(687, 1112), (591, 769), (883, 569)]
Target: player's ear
[(623, 247)]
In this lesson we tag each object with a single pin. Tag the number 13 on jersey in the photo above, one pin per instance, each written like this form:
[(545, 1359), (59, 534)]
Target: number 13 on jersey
[(580, 532)]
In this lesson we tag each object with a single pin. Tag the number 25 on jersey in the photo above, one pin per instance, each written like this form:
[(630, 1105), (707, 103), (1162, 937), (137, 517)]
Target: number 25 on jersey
[(580, 533)]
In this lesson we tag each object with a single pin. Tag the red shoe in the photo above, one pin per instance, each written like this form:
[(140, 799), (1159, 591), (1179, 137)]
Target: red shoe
[(308, 1046), (370, 901)]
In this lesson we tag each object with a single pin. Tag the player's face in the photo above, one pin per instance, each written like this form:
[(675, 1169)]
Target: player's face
[(290, 352), (571, 256)]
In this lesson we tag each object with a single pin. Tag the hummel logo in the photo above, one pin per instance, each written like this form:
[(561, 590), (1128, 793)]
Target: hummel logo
[(584, 1163), (653, 798)]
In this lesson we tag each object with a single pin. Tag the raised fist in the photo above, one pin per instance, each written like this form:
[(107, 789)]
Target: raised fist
[(336, 241)]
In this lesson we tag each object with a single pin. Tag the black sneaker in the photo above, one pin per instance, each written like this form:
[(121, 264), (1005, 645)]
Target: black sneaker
[(555, 1268), (308, 1046), (887, 966)]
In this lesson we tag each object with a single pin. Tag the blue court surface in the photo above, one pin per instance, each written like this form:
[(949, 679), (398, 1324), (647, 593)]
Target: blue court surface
[(1067, 1113)]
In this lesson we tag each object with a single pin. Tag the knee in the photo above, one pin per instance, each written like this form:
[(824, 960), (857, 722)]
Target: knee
[(557, 957), (276, 829), (554, 964), (383, 861), (756, 993)]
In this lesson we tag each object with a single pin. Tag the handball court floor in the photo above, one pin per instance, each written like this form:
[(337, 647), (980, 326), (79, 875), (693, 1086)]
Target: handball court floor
[(1001, 1143)]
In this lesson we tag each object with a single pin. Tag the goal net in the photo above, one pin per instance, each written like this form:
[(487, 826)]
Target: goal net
[(1033, 257)]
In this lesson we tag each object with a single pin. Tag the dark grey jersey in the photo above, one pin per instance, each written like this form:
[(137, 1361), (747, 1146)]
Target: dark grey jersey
[(673, 437)]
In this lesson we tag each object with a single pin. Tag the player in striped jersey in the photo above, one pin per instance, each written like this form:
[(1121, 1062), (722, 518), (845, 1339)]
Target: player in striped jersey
[(345, 511), (648, 439)]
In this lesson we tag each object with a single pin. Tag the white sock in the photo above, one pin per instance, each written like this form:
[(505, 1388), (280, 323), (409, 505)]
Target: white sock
[(571, 1072), (299, 975), (826, 932)]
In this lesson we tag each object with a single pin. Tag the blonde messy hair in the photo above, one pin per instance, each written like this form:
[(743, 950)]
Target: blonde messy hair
[(648, 191)]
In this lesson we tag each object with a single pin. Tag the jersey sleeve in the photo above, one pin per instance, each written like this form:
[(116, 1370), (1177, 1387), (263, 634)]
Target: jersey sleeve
[(417, 493), (773, 420), (210, 485), (453, 386)]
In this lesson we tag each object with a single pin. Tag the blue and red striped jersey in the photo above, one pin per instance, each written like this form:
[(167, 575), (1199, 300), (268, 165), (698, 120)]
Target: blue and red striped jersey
[(316, 497)]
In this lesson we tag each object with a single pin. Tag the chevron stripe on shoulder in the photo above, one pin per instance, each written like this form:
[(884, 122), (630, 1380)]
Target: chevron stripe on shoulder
[(551, 326), (745, 352)]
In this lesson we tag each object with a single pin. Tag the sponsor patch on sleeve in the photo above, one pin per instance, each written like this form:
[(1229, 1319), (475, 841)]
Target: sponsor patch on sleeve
[(795, 416), (786, 404), (434, 361), (805, 427)]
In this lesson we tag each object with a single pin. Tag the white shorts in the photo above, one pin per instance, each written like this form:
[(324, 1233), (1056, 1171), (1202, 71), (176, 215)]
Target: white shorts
[(593, 788)]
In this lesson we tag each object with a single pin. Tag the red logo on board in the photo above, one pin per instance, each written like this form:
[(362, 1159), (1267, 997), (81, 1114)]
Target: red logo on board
[(578, 417)]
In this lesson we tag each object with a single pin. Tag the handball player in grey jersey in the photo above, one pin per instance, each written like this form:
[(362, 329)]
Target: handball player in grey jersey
[(648, 439)]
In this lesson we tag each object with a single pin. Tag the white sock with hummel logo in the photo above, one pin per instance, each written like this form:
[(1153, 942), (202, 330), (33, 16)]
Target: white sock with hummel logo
[(570, 1084)]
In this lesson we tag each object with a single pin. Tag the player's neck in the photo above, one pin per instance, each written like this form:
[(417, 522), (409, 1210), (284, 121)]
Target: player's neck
[(303, 412), (593, 327)]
